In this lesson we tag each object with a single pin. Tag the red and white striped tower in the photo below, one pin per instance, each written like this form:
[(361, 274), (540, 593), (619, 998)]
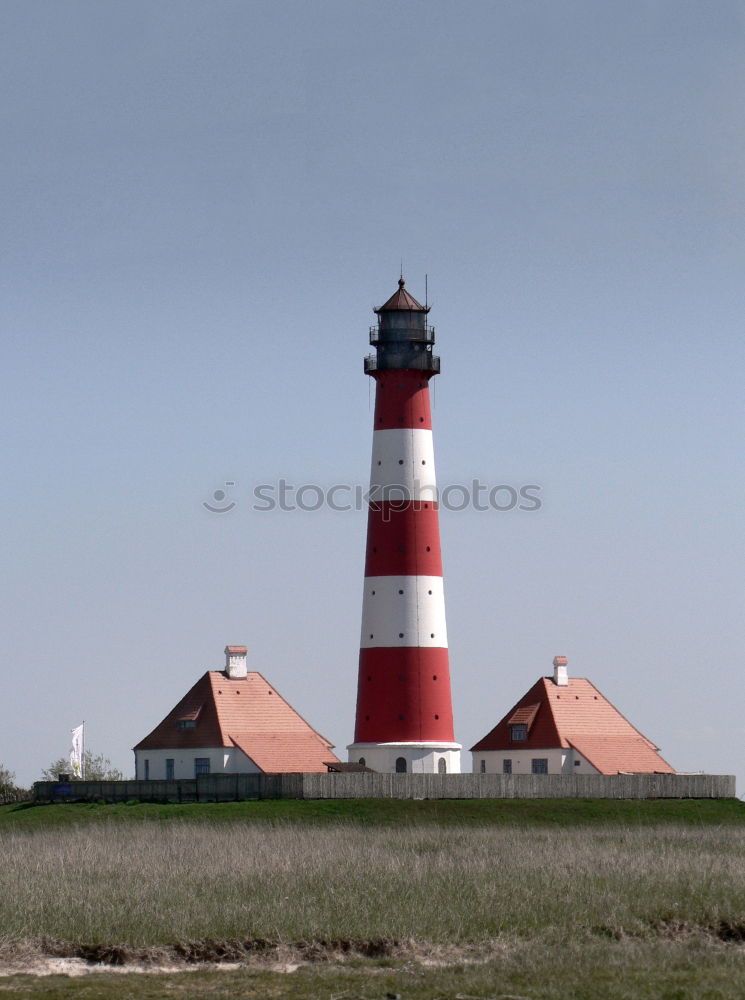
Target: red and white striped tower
[(404, 711)]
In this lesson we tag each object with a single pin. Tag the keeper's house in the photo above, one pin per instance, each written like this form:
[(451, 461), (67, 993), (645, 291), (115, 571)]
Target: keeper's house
[(563, 726), (232, 721)]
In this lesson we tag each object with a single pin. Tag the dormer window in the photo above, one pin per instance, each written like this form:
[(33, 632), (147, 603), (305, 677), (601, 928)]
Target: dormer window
[(520, 721), (189, 719)]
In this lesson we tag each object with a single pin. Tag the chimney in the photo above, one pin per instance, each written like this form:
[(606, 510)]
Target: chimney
[(561, 677), (235, 662)]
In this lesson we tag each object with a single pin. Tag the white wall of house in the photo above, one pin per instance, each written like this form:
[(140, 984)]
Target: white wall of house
[(421, 758), (223, 760), (560, 761)]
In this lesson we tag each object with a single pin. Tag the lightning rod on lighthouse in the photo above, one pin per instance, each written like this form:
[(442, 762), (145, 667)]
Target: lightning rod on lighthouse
[(404, 718)]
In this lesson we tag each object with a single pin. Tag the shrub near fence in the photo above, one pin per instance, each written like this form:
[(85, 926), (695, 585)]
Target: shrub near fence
[(9, 796), (237, 787)]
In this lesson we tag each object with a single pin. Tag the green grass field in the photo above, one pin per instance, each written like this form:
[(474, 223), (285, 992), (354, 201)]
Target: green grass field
[(565, 812), (441, 899)]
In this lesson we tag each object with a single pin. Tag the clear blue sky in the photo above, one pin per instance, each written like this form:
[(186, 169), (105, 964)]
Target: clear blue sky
[(201, 202)]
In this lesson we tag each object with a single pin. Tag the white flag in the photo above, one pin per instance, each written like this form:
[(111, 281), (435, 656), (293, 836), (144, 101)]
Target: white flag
[(76, 752)]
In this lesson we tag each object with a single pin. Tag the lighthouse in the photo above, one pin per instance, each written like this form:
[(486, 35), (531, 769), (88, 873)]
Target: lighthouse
[(404, 719)]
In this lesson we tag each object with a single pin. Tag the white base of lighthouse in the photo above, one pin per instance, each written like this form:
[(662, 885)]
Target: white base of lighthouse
[(409, 758)]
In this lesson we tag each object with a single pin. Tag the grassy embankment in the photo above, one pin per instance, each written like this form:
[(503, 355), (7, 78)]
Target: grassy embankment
[(537, 899), (565, 812)]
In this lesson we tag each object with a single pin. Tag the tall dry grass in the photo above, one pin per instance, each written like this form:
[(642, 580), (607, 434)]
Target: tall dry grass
[(149, 884)]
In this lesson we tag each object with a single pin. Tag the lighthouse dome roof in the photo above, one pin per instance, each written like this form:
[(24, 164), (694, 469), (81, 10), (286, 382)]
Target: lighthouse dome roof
[(401, 300)]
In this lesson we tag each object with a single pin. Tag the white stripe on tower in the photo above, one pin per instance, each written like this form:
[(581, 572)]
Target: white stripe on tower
[(403, 465), (403, 611)]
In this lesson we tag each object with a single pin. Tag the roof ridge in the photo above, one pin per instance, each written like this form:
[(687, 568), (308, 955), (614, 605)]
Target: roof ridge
[(202, 680), (609, 702), (286, 702), (223, 735), (561, 739)]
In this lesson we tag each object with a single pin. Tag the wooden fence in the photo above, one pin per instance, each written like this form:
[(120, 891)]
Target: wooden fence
[(234, 787)]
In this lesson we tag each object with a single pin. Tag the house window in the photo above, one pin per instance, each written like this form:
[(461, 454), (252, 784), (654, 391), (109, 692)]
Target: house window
[(400, 765), (507, 765), (187, 723), (169, 768), (483, 767), (201, 766), (519, 732), (147, 770), (442, 767), (539, 765), (577, 763)]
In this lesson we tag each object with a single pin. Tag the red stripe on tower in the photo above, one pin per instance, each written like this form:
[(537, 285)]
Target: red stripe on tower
[(404, 711)]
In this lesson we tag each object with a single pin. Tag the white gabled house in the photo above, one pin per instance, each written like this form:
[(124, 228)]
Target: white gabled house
[(564, 725), (231, 721)]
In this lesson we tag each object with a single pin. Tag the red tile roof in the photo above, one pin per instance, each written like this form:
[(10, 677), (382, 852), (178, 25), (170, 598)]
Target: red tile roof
[(247, 713), (610, 754), (577, 715)]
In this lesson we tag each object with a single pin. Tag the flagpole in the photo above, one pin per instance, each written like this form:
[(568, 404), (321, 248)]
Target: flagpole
[(82, 752)]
